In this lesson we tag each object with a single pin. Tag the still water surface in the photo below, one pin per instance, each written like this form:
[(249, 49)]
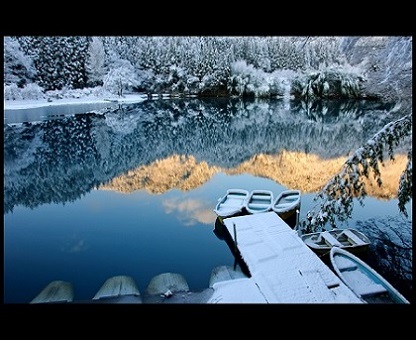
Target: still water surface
[(130, 190)]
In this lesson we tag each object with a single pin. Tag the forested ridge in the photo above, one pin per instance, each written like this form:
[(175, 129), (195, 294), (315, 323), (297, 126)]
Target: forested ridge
[(306, 67)]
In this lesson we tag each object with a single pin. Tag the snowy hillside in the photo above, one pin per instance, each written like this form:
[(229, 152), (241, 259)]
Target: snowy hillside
[(345, 67)]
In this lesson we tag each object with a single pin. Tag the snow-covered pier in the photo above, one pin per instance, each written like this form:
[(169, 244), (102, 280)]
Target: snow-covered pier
[(283, 269)]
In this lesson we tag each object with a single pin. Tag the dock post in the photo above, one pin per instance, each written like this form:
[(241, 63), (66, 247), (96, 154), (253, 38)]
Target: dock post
[(235, 245), (297, 226)]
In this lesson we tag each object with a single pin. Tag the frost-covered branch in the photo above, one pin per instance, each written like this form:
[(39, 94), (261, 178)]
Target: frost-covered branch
[(405, 185), (337, 195)]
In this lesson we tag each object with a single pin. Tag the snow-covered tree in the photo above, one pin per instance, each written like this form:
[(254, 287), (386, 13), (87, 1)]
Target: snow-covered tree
[(95, 63), (338, 193), (121, 77), (75, 54), (29, 91), (49, 63), (18, 67), (12, 92), (59, 61), (32, 91), (334, 81), (246, 80)]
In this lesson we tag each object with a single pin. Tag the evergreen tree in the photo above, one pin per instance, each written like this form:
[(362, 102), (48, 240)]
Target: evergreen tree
[(75, 54), (59, 61), (18, 67), (49, 63)]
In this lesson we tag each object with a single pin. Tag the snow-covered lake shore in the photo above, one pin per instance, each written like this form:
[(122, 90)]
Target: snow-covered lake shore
[(28, 103)]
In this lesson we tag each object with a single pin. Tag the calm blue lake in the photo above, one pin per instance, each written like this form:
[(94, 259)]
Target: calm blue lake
[(89, 195)]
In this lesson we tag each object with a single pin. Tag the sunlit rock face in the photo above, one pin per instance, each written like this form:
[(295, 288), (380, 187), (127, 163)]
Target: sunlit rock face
[(387, 62)]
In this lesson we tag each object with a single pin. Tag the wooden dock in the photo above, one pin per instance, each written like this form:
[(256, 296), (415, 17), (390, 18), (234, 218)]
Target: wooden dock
[(282, 268)]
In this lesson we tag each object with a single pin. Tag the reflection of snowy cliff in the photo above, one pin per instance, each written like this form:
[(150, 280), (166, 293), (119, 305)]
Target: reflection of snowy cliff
[(60, 160)]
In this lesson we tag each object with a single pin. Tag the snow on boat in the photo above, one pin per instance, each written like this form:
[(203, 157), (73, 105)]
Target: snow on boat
[(286, 203), (118, 289), (363, 280), (259, 201), (349, 239), (55, 292), (231, 203)]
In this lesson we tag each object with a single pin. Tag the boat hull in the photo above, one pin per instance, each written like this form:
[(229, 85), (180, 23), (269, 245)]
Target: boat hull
[(259, 201), (232, 203), (349, 239), (363, 280), (289, 213), (286, 204)]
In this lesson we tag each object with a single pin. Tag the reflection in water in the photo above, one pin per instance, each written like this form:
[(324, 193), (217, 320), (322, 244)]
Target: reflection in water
[(305, 172), (157, 146), (77, 247), (59, 161), (222, 233), (181, 172), (392, 242), (333, 111), (219, 229), (190, 211)]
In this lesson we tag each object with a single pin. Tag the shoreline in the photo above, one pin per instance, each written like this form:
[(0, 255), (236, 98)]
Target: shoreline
[(36, 103)]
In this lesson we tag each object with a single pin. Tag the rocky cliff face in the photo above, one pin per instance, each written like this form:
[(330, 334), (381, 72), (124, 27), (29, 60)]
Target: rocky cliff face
[(387, 62)]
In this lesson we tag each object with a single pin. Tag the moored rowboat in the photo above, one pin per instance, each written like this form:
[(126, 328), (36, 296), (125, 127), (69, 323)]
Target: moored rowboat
[(349, 239), (363, 280), (286, 203), (259, 201), (55, 292), (231, 203)]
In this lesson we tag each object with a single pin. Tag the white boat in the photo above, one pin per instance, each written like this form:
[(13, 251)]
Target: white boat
[(56, 292), (349, 239), (286, 203), (231, 203), (118, 289), (259, 201), (363, 280)]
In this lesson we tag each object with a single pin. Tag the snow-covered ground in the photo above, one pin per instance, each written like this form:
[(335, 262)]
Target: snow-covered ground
[(33, 103)]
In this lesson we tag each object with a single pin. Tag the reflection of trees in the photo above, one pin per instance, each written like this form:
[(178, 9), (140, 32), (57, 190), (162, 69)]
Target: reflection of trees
[(62, 159), (338, 193), (331, 111), (60, 152), (392, 242)]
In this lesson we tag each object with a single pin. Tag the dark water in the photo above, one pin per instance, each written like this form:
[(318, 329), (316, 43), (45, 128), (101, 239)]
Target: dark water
[(59, 224)]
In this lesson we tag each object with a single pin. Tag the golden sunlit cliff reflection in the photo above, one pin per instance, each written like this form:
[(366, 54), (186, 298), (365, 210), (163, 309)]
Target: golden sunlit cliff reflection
[(294, 170)]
